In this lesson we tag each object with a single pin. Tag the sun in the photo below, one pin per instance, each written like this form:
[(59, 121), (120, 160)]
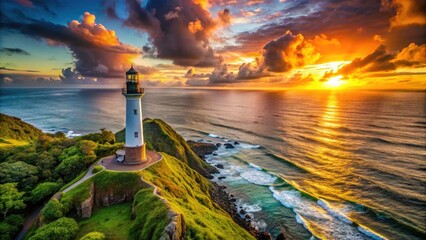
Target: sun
[(334, 82)]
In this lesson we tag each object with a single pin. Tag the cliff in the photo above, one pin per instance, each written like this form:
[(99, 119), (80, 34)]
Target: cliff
[(160, 137), (15, 132)]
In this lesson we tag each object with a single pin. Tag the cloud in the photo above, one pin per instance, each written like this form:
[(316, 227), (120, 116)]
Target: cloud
[(407, 12), (221, 75), (26, 80), (12, 51), (253, 70), (381, 60), (70, 76), (17, 70), (97, 51), (224, 17), (287, 52), (197, 82), (178, 30)]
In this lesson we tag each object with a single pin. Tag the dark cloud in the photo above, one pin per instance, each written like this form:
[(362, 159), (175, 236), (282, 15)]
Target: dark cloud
[(253, 70), (221, 75), (97, 51), (179, 30), (44, 5), (20, 70), (287, 52), (335, 18), (381, 60), (12, 51), (70, 76), (407, 12)]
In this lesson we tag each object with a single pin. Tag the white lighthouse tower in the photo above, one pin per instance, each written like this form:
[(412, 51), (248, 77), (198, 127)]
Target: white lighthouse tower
[(135, 152)]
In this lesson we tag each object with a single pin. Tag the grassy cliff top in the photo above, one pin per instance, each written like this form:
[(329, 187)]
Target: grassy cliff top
[(160, 137), (15, 132)]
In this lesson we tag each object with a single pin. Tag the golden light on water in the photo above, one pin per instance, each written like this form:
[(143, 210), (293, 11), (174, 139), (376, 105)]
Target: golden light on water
[(334, 82)]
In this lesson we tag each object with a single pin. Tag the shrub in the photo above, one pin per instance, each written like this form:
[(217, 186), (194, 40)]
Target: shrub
[(93, 236), (63, 228), (44, 190), (52, 211), (97, 169)]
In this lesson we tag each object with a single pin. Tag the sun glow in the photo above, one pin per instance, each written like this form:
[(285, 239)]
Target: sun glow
[(334, 82)]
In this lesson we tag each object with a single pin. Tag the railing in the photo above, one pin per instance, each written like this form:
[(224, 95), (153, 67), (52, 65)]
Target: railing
[(135, 91)]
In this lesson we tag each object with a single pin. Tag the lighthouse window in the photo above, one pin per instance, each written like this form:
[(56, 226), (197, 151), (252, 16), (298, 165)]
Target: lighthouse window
[(135, 112), (136, 134)]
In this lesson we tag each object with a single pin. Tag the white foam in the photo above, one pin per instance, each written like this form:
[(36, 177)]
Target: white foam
[(370, 233), (71, 134), (314, 218), (255, 166), (334, 212), (251, 207), (213, 135), (248, 146), (258, 177)]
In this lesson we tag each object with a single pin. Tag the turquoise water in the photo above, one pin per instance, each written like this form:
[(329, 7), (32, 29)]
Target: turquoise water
[(334, 165)]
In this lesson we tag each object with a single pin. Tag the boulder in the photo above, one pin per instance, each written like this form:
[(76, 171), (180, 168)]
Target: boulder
[(229, 146), (220, 166), (236, 143)]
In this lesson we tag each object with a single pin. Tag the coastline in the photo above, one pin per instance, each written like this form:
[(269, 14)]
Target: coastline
[(225, 200)]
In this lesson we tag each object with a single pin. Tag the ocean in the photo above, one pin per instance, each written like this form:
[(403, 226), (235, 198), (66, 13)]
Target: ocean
[(313, 164)]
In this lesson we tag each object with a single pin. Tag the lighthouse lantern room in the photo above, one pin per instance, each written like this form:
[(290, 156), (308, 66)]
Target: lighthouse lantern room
[(135, 149)]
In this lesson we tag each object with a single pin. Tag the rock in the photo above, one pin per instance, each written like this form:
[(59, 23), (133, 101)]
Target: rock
[(218, 144), (86, 206), (214, 154), (242, 212), (221, 177), (247, 216), (201, 148), (219, 166), (233, 200), (236, 143), (228, 146), (281, 236), (263, 236)]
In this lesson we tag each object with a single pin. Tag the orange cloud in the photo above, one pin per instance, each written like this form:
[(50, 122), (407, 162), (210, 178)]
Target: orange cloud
[(195, 26), (407, 12)]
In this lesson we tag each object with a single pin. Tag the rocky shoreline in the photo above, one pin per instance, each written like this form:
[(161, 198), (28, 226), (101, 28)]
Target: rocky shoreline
[(225, 200)]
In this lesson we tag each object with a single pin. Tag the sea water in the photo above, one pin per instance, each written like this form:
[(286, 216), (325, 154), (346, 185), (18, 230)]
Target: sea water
[(312, 164)]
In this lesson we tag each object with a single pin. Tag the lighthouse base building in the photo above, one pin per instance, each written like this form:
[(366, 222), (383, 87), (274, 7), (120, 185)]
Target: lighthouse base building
[(135, 147)]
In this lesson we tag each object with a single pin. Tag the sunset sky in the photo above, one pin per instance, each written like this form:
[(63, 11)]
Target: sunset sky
[(308, 44)]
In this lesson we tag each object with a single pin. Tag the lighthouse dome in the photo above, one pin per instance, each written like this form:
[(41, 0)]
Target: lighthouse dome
[(131, 71)]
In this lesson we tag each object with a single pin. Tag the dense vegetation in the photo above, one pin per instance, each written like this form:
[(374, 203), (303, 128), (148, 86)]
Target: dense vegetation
[(31, 173)]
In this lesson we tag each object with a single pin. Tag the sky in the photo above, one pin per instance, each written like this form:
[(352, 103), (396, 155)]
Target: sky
[(255, 44)]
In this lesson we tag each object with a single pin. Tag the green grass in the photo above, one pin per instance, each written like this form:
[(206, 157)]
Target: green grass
[(148, 224), (76, 195), (80, 176), (113, 221), (8, 142), (97, 169), (188, 193)]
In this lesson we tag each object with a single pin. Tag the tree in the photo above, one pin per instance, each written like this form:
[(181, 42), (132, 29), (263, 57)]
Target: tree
[(52, 210), (44, 190), (63, 228), (10, 198), (17, 172)]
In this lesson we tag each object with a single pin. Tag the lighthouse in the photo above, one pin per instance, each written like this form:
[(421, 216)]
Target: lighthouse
[(135, 148)]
